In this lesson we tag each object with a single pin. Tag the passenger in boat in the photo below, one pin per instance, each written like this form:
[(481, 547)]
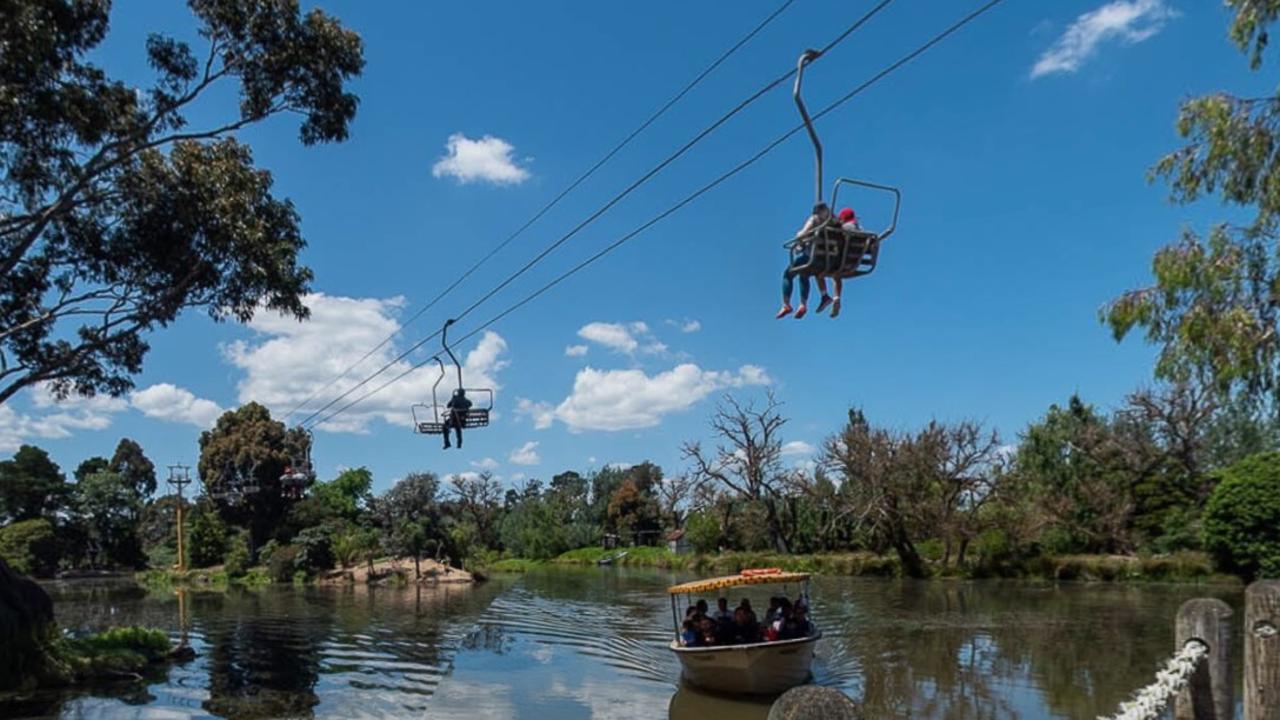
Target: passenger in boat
[(746, 629), (775, 603), (821, 214), (722, 611), (801, 612), (689, 634), (849, 223), (702, 608), (774, 632), (456, 416), (724, 622), (707, 627)]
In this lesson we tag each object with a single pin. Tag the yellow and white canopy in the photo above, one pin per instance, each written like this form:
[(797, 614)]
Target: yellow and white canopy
[(746, 577)]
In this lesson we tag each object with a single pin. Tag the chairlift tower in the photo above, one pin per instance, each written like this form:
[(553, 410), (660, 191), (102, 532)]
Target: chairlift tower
[(179, 478)]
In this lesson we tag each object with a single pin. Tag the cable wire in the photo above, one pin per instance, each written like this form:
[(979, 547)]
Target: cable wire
[(555, 200), (953, 28), (866, 17)]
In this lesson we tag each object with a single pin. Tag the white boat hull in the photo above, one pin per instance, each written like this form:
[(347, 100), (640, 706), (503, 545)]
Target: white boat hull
[(757, 669)]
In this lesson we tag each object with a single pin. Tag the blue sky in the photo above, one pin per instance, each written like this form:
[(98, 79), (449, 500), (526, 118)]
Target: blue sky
[(1021, 146)]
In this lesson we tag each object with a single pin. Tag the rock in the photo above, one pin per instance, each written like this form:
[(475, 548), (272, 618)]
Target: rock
[(182, 654), (26, 630), (814, 702)]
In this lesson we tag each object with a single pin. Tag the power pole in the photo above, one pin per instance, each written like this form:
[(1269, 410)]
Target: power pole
[(179, 478)]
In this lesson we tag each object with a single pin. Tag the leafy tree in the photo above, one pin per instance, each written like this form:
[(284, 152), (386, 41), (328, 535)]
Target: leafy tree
[(476, 499), (703, 531), (133, 464), (31, 485), (237, 559), (30, 547), (207, 536), (157, 530), (110, 508), (346, 495), (410, 538), (1212, 308), (246, 445), (634, 512), (118, 211), (89, 467), (315, 550), (1242, 520)]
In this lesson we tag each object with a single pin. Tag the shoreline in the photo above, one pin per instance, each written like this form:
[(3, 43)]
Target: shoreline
[(1184, 567)]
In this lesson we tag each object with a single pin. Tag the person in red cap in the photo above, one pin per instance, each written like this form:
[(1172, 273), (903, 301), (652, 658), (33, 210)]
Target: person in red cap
[(849, 223)]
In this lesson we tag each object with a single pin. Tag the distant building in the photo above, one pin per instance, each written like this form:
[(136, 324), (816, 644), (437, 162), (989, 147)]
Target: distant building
[(677, 543), (609, 541)]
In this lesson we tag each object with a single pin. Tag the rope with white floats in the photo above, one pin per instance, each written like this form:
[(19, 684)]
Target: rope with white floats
[(1150, 702)]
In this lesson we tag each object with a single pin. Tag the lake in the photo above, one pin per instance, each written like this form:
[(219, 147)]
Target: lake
[(560, 644)]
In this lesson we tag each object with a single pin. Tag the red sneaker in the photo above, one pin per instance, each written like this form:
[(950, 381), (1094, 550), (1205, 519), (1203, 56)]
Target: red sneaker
[(800, 311), (785, 311)]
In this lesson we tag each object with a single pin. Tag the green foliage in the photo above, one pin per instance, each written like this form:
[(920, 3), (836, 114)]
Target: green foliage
[(30, 547), (31, 486), (703, 531), (1242, 520), (282, 566), (133, 464), (207, 536), (237, 561), (108, 505), (315, 550), (344, 496), (122, 207)]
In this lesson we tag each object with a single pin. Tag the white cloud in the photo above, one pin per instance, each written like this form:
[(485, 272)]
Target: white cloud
[(288, 361), (692, 326), (526, 454), (615, 336), (485, 464), (541, 413), (629, 399), (60, 420), (1129, 21), (575, 351), (174, 404), (487, 159), (797, 447)]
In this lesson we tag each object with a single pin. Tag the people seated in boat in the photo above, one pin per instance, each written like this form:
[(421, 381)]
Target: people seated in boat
[(724, 622), (745, 627), (707, 628), (689, 635), (775, 603)]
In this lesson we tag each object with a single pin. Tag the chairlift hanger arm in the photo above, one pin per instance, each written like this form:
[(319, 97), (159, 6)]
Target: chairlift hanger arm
[(444, 340), (807, 57)]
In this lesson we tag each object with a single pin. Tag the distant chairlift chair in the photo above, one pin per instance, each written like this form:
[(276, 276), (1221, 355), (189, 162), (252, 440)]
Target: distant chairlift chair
[(430, 419)]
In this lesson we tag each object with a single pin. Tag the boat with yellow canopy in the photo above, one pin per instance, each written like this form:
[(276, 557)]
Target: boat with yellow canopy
[(763, 666)]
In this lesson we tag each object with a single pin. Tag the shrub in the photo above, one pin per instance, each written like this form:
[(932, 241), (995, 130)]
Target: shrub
[(30, 547), (237, 561), (282, 565), (1242, 518), (703, 531), (206, 537), (315, 550)]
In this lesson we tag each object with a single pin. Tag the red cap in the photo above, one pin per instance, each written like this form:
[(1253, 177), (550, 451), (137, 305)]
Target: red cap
[(846, 215)]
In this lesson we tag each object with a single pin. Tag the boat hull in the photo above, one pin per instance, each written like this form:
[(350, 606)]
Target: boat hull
[(757, 669)]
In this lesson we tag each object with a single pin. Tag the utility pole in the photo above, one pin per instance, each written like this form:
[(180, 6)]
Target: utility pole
[(179, 478)]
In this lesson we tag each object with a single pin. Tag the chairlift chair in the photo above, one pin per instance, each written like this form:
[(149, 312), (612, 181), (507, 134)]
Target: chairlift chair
[(433, 423), (832, 250), (298, 475)]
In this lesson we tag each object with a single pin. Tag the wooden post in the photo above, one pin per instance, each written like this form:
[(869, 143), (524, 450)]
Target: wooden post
[(1262, 651), (1210, 694)]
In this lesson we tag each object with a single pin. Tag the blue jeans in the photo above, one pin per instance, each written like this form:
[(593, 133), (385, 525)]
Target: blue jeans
[(788, 279)]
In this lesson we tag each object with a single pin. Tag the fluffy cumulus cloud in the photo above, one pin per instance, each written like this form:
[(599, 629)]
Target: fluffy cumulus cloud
[(690, 326), (526, 454), (629, 399), (488, 159), (1125, 21), (626, 338), (485, 464), (575, 351), (288, 362), (52, 419), (174, 404)]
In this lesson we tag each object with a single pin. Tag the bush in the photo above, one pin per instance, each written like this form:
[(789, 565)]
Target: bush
[(1242, 518), (315, 550), (206, 537), (30, 547), (703, 531), (237, 561), (282, 564)]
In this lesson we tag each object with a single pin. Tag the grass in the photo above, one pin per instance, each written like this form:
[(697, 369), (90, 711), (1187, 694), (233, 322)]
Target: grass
[(1194, 567), (212, 577), (113, 654)]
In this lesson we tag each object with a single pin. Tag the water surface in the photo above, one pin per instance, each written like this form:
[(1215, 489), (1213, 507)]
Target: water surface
[(591, 643)]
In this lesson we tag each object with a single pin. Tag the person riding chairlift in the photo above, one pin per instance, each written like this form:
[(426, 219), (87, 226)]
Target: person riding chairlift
[(848, 223), (456, 416), (821, 214)]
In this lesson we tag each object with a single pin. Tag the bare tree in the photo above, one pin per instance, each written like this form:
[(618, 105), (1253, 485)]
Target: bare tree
[(747, 458), (479, 497), (674, 493), (963, 462)]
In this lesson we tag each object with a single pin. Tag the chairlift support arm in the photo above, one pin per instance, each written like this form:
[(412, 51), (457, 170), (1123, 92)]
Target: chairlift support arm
[(807, 57)]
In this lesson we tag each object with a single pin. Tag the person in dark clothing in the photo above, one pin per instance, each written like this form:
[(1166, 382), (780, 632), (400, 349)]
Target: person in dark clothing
[(456, 416)]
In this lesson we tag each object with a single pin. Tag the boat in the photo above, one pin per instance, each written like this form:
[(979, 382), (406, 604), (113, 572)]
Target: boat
[(611, 559), (760, 668)]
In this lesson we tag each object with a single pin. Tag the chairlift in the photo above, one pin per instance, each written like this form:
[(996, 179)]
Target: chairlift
[(433, 422), (832, 250), (300, 473)]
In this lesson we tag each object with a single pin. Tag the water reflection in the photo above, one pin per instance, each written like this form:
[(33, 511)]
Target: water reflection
[(588, 643)]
